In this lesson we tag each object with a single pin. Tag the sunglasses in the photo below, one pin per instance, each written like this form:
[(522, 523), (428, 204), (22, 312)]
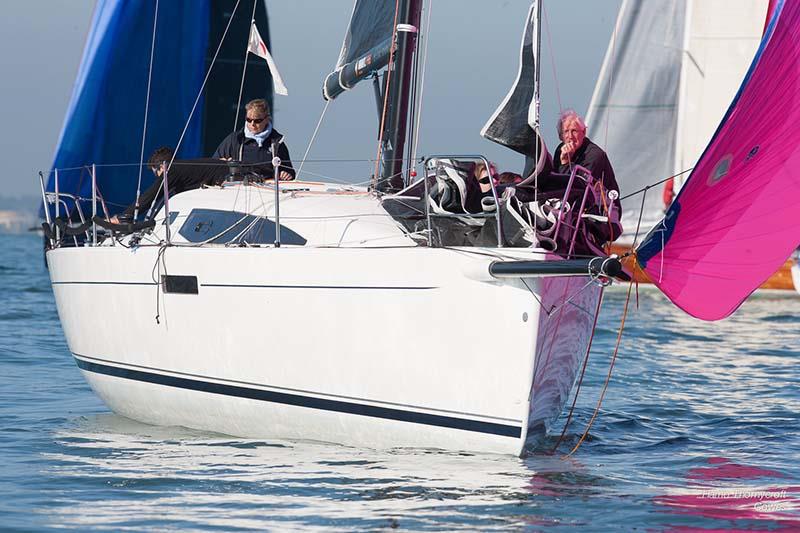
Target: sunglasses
[(256, 120)]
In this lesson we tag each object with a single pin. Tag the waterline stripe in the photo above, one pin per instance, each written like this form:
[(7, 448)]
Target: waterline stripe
[(303, 401), (349, 287), (146, 283), (244, 286)]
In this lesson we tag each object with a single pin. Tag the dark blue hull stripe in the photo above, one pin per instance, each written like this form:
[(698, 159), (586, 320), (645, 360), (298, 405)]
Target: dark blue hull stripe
[(299, 400), (232, 286), (348, 287)]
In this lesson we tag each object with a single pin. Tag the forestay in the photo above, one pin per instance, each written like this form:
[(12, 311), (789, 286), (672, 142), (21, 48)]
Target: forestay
[(733, 223)]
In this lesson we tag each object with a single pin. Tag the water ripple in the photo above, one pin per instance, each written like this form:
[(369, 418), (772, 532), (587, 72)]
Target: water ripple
[(698, 430)]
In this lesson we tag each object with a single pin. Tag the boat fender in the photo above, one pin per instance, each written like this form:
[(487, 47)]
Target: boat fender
[(71, 231), (124, 228), (48, 232)]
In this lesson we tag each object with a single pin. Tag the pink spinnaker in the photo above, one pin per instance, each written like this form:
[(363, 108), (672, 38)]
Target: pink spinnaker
[(737, 218)]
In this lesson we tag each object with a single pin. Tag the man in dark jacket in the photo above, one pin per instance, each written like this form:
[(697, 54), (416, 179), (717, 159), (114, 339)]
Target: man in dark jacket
[(577, 149), (184, 175), (252, 145)]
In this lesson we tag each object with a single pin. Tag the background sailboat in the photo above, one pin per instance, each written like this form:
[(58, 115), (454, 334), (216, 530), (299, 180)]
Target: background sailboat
[(732, 224), (670, 71)]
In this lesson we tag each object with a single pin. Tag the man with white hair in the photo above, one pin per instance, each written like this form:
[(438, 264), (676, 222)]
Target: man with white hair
[(577, 149)]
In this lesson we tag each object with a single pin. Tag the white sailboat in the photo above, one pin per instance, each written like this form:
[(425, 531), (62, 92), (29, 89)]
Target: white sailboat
[(335, 313), (671, 69)]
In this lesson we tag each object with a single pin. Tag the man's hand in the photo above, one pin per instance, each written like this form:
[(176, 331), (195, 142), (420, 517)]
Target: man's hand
[(114, 219), (284, 176), (567, 151)]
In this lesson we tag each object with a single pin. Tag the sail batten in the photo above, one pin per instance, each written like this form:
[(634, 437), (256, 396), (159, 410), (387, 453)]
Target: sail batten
[(733, 223)]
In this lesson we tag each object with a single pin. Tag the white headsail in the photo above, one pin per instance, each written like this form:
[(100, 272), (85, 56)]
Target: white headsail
[(670, 71)]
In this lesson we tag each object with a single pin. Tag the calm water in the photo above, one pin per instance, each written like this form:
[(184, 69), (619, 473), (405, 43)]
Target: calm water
[(700, 430)]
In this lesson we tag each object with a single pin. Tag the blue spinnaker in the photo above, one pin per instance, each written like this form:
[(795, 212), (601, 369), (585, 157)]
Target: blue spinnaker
[(105, 116)]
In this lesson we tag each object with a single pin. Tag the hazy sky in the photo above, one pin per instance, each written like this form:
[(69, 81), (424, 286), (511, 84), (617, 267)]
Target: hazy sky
[(473, 54)]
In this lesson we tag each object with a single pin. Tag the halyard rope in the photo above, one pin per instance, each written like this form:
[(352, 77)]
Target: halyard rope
[(313, 138), (146, 111)]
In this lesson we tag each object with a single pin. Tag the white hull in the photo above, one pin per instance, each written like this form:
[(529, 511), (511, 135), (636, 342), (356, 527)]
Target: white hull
[(280, 355), (397, 346), (796, 276)]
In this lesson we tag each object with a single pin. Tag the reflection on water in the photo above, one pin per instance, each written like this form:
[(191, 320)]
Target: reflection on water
[(255, 484), (700, 429)]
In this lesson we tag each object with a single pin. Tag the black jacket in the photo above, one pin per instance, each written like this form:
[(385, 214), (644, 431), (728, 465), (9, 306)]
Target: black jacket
[(184, 175), (590, 156), (238, 147)]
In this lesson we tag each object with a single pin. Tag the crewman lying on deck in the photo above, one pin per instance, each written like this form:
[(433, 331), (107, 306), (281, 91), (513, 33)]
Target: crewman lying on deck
[(183, 175), (253, 143)]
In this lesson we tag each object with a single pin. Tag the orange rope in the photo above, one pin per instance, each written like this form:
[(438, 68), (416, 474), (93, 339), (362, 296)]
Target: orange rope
[(610, 369), (580, 380)]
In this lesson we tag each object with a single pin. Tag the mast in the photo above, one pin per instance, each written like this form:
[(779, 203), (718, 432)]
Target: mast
[(396, 122)]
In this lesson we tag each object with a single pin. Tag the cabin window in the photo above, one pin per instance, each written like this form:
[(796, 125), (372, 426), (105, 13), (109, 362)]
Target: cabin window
[(230, 227)]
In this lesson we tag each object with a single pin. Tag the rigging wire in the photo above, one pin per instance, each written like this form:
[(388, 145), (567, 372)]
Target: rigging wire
[(583, 372), (537, 102), (156, 277), (422, 82), (414, 116), (205, 80), (552, 58), (146, 111), (611, 76), (244, 67), (610, 370), (646, 187), (313, 138), (196, 101), (389, 70), (619, 333)]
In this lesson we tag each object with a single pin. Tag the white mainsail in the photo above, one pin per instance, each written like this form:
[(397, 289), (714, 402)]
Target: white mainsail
[(669, 73)]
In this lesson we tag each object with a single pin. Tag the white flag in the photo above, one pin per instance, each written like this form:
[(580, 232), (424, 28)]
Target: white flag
[(256, 46)]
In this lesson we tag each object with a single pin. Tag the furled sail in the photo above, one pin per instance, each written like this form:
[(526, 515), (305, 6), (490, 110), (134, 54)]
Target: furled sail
[(105, 116), (515, 122), (733, 223), (671, 69), (366, 48)]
